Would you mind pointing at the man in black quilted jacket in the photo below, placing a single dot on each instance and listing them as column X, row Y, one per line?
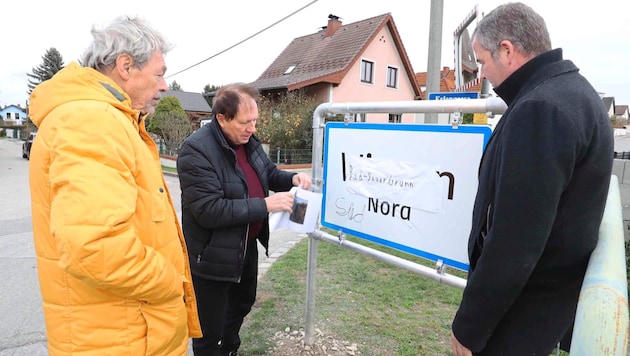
column 225, row 179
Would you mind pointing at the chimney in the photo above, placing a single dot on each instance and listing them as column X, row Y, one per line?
column 333, row 25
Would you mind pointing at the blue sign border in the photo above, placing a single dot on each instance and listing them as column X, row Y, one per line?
column 486, row 131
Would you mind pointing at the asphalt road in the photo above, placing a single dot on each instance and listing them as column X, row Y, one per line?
column 22, row 330
column 622, row 143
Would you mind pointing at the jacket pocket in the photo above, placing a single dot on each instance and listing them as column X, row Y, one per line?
column 167, row 327
column 159, row 201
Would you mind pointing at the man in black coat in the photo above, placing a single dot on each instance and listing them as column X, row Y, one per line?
column 225, row 178
column 543, row 183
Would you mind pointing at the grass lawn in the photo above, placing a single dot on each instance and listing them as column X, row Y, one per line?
column 169, row 169
column 384, row 309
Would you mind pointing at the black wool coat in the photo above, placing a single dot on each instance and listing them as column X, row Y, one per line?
column 216, row 208
column 543, row 183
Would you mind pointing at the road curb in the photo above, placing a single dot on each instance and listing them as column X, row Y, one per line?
column 266, row 264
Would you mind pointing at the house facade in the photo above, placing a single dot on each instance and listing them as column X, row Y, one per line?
column 621, row 113
column 609, row 103
column 13, row 115
column 359, row 62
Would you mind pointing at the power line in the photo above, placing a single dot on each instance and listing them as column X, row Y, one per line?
column 246, row 39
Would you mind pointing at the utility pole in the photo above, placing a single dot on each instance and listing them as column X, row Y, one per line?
column 435, row 53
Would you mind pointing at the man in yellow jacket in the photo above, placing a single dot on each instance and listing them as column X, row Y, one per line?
column 112, row 263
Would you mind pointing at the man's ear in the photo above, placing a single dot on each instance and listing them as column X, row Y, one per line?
column 508, row 47
column 124, row 62
column 221, row 119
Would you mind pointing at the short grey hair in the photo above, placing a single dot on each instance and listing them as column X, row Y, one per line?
column 124, row 35
column 517, row 23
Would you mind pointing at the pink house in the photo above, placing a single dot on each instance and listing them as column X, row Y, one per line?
column 357, row 62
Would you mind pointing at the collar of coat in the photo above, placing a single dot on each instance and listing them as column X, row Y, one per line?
column 532, row 73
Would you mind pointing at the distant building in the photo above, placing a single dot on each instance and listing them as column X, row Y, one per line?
column 448, row 85
column 194, row 104
column 358, row 62
column 13, row 115
column 621, row 112
column 609, row 103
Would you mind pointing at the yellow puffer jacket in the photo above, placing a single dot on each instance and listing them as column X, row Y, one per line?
column 111, row 258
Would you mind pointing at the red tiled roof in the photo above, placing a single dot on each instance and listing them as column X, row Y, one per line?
column 321, row 59
column 447, row 79
column 447, row 82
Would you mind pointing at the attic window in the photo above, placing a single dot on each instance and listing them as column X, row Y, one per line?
column 392, row 77
column 367, row 71
column 290, row 69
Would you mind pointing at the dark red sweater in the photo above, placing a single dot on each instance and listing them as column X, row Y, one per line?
column 254, row 187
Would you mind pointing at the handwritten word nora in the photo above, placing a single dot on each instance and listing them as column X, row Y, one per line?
column 387, row 208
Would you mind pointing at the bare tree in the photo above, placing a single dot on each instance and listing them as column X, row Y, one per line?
column 286, row 120
column 173, row 129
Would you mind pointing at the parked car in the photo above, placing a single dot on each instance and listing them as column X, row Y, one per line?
column 26, row 146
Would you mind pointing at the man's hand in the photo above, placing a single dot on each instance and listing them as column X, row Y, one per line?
column 459, row 349
column 302, row 179
column 281, row 201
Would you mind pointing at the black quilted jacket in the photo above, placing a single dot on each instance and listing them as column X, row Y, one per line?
column 216, row 209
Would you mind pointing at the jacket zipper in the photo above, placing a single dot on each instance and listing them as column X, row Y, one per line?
column 245, row 248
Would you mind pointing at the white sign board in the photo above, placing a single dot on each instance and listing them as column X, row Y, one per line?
column 410, row 187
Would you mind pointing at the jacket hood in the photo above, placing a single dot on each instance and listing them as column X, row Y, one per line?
column 74, row 83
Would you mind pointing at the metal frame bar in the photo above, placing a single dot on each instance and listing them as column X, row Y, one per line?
column 490, row 106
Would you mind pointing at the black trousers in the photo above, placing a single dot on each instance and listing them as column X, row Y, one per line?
column 222, row 306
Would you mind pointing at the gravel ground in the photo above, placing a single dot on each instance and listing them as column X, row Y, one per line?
column 291, row 342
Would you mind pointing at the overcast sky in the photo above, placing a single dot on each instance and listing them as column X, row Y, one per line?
column 595, row 37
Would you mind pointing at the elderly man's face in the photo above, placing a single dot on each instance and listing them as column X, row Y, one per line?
column 145, row 84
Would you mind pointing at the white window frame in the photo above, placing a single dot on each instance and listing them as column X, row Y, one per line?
column 290, row 69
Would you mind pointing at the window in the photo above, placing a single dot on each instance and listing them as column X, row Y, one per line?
column 395, row 118
column 8, row 116
column 290, row 69
column 392, row 77
column 17, row 115
column 359, row 117
column 367, row 71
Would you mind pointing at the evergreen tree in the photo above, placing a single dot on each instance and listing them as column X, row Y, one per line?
column 52, row 63
column 175, row 86
column 209, row 89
